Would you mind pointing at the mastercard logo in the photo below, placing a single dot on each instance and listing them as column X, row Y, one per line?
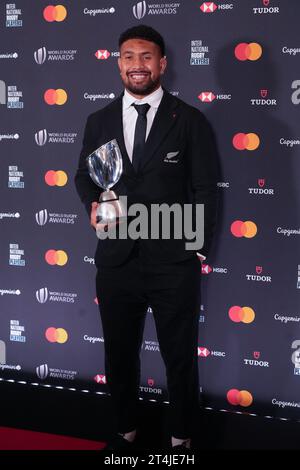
column 245, row 51
column 249, row 141
column 56, row 257
column 56, row 335
column 58, row 96
column 236, row 397
column 56, row 178
column 55, row 13
column 241, row 314
column 246, row 229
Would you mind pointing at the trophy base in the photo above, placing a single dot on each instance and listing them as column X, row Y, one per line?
column 110, row 212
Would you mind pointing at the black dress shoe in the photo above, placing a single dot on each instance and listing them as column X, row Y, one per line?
column 119, row 443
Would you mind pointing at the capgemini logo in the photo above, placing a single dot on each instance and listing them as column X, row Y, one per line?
column 41, row 217
column 42, row 295
column 139, row 10
column 40, row 55
column 42, row 371
column 40, row 137
column 2, row 352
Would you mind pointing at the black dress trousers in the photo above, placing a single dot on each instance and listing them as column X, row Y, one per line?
column 173, row 292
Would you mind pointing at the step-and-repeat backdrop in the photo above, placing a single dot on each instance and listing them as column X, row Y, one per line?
column 238, row 62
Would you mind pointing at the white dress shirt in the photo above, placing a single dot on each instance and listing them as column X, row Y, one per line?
column 130, row 115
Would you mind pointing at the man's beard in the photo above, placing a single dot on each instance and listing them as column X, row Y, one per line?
column 142, row 90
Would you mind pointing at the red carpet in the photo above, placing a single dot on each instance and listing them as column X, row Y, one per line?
column 18, row 439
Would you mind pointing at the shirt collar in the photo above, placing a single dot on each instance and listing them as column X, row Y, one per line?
column 153, row 99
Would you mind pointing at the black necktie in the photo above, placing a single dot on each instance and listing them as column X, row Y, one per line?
column 139, row 134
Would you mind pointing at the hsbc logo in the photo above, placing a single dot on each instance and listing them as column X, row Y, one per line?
column 206, row 96
column 208, row 7
column 209, row 96
column 100, row 379
column 203, row 352
column 211, row 7
column 102, row 54
column 206, row 269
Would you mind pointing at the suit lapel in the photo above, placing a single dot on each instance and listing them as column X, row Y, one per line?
column 164, row 119
column 116, row 124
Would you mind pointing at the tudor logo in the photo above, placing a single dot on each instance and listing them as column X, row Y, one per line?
column 261, row 182
column 208, row 7
column 256, row 354
column 263, row 93
column 266, row 2
column 206, row 96
column 259, row 269
column 150, row 382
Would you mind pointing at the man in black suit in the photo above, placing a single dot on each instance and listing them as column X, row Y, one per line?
column 169, row 156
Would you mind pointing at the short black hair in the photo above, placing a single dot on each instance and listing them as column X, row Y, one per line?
column 143, row 32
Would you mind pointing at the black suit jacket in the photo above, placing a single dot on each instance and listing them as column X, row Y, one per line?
column 177, row 127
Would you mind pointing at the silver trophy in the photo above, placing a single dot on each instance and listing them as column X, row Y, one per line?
column 105, row 167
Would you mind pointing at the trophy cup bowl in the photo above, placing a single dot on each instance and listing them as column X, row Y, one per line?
column 105, row 166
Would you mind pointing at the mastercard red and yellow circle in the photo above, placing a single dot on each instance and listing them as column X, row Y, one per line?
column 244, row 51
column 56, row 178
column 56, row 257
column 248, row 141
column 55, row 13
column 236, row 397
column 239, row 314
column 241, row 229
column 56, row 335
column 52, row 96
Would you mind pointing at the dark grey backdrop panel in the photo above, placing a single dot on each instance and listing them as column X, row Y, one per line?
column 50, row 330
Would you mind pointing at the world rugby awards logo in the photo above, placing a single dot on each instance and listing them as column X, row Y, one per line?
column 41, row 217
column 40, row 55
column 42, row 371
column 40, row 137
column 139, row 10
column 42, row 295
